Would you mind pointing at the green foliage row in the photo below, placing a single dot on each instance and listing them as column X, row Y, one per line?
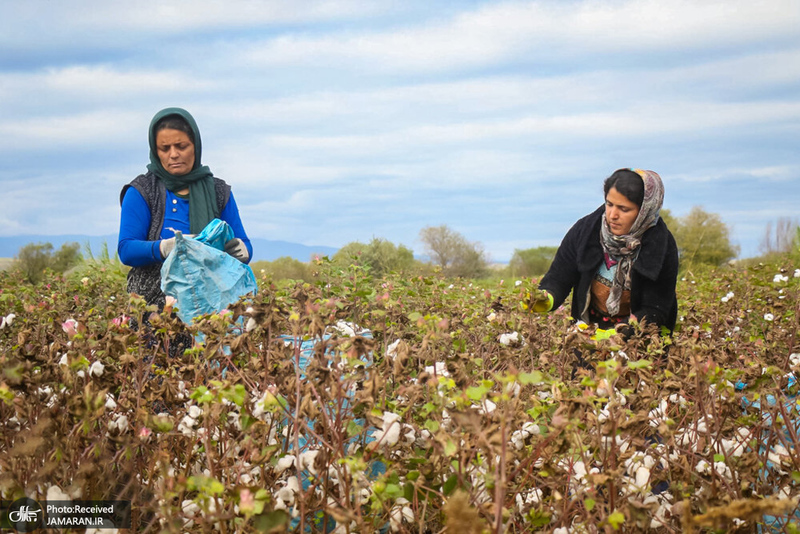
column 453, row 410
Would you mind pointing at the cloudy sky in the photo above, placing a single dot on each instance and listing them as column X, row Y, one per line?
column 344, row 120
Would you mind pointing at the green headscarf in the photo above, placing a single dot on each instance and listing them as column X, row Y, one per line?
column 200, row 181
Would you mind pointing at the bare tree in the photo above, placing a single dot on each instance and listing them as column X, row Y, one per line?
column 453, row 253
column 782, row 239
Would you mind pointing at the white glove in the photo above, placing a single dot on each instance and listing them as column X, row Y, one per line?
column 166, row 247
column 236, row 248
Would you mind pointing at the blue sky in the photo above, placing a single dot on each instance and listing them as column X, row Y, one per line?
column 337, row 121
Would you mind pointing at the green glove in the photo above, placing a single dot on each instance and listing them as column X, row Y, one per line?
column 538, row 301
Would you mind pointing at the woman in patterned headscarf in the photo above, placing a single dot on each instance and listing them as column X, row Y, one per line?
column 620, row 262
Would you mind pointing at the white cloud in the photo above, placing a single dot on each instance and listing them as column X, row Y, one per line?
column 102, row 126
column 539, row 31
column 148, row 17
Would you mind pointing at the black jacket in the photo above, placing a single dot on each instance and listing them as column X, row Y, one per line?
column 653, row 277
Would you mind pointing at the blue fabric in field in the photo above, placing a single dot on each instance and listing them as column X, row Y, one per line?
column 201, row 277
column 791, row 424
column 344, row 411
column 216, row 234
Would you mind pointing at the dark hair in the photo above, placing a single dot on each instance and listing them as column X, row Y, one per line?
column 628, row 183
column 174, row 122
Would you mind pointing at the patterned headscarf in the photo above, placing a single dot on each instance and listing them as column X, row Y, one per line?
column 626, row 247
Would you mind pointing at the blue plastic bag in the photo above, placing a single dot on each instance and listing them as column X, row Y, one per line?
column 216, row 234
column 201, row 277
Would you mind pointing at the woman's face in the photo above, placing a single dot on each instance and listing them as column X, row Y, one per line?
column 176, row 151
column 620, row 212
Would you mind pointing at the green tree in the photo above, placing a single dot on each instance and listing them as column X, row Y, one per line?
column 671, row 222
column 531, row 261
column 703, row 239
column 35, row 258
column 379, row 255
column 66, row 257
column 453, row 253
column 284, row 268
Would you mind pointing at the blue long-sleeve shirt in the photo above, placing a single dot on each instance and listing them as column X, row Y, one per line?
column 133, row 247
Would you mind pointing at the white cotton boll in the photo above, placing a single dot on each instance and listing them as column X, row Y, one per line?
column 390, row 433
column 80, row 374
column 508, row 339
column 396, row 519
column 527, row 499
column 54, row 493
column 658, row 415
column 702, row 427
column 703, row 467
column 250, row 325
column 424, row 439
column 284, row 463
column 491, row 317
column 438, row 369
column 579, row 470
column 111, row 404
column 642, row 477
column 513, row 389
column 97, row 368
column 64, row 360
column 603, row 415
column 780, row 278
column 532, row 428
column 186, row 426
column 195, row 412
column 409, row 435
column 7, row 320
column 797, row 273
column 307, row 461
column 722, row 470
column 391, row 350
column 346, row 328
column 562, row 530
column 794, row 358
column 408, row 514
column 390, row 436
column 769, row 317
column 284, row 497
column 518, row 283
column 120, row 423
column 678, row 399
column 486, row 407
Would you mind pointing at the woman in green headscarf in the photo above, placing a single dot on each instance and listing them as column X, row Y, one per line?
column 178, row 193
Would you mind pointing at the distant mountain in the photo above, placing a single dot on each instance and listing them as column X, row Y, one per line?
column 263, row 249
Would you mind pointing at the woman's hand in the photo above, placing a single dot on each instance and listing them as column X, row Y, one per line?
column 538, row 301
column 166, row 247
column 236, row 248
